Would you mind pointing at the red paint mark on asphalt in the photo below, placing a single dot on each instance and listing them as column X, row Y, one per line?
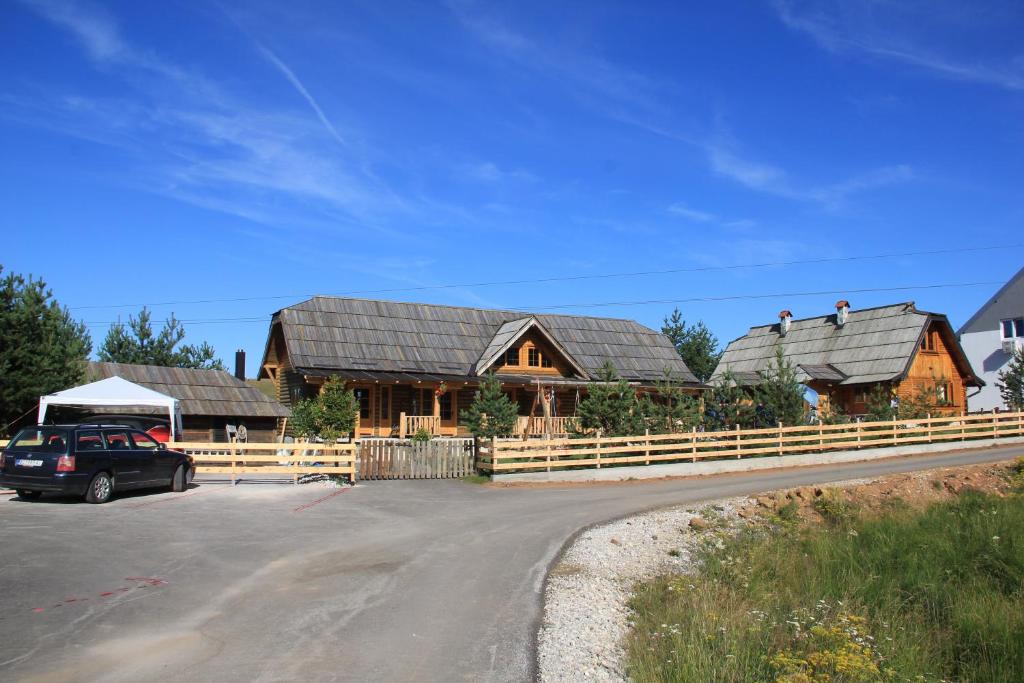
column 107, row 593
column 170, row 498
column 38, row 609
column 319, row 500
column 147, row 580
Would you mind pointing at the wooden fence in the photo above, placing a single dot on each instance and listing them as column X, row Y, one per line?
column 407, row 459
column 646, row 449
column 539, row 426
column 236, row 459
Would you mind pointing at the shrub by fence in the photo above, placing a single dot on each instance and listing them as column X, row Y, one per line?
column 646, row 449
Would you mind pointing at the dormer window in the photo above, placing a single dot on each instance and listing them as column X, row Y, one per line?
column 929, row 343
column 512, row 357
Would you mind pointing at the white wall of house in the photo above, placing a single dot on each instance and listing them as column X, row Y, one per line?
column 984, row 350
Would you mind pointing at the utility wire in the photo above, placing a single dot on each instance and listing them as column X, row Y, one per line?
column 571, row 278
column 601, row 304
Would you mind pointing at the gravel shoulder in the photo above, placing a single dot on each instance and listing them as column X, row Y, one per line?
column 586, row 617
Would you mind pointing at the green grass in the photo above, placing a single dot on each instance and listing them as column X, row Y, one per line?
column 476, row 479
column 908, row 596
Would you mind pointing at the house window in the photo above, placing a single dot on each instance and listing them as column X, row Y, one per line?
column 385, row 403
column 1013, row 327
column 446, row 406
column 512, row 356
column 533, row 357
column 545, row 362
column 942, row 392
column 363, row 397
column 928, row 343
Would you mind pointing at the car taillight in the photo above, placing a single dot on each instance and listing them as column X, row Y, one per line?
column 3, row 458
column 66, row 463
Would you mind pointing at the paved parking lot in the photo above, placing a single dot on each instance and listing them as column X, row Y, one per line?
column 389, row 581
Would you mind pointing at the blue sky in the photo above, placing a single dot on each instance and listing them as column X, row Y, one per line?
column 178, row 152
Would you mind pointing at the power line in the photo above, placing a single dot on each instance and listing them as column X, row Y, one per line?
column 696, row 299
column 570, row 278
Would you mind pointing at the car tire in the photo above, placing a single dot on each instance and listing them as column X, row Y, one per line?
column 28, row 495
column 179, row 482
column 101, row 488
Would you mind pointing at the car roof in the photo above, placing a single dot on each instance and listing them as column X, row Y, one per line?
column 85, row 425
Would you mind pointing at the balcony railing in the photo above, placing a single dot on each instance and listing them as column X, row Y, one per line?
column 539, row 426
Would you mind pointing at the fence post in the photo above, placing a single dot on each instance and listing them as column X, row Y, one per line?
column 647, row 442
column 928, row 426
column 738, row 456
column 401, row 425
column 995, row 425
column 693, row 443
column 821, row 438
column 780, row 438
column 233, row 471
column 895, row 434
column 598, row 449
column 859, row 430
column 494, row 454
column 963, row 424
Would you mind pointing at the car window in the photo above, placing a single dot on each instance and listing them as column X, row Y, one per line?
column 89, row 440
column 144, row 441
column 118, row 440
column 43, row 440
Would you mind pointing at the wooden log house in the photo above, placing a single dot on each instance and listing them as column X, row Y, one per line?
column 845, row 355
column 417, row 366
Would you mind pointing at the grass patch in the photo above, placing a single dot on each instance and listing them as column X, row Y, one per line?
column 476, row 479
column 908, row 596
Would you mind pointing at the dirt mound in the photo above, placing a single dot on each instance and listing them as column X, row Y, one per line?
column 916, row 489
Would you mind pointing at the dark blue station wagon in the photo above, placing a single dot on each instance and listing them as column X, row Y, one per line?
column 89, row 460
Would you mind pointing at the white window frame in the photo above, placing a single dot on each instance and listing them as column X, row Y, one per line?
column 1017, row 325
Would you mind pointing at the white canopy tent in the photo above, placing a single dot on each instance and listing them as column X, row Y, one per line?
column 114, row 391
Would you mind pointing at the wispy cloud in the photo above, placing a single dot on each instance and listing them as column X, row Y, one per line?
column 594, row 80
column 490, row 172
column 866, row 30
column 199, row 144
column 774, row 180
column 680, row 209
column 301, row 89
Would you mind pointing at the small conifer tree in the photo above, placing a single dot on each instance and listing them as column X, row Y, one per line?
column 492, row 413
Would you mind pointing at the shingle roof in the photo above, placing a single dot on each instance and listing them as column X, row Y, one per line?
column 875, row 345
column 201, row 392
column 1008, row 302
column 329, row 333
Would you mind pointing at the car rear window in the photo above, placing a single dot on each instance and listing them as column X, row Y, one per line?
column 40, row 440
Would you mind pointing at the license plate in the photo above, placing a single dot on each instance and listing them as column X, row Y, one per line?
column 24, row 462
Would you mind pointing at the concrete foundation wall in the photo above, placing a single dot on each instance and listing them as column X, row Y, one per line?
column 703, row 467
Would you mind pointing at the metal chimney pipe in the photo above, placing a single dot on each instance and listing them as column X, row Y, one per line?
column 240, row 364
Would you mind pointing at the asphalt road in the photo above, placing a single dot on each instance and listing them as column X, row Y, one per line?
column 387, row 581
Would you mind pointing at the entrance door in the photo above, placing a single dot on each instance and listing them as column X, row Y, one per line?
column 383, row 417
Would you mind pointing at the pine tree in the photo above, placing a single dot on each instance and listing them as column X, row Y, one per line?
column 696, row 344
column 1011, row 381
column 330, row 415
column 137, row 344
column 42, row 349
column 492, row 413
column 728, row 405
column 610, row 406
column 672, row 410
column 780, row 395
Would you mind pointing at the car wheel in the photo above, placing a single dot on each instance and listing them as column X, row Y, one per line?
column 100, row 489
column 28, row 495
column 178, row 481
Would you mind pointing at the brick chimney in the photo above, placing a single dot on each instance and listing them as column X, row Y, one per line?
column 240, row 364
column 785, row 319
column 842, row 312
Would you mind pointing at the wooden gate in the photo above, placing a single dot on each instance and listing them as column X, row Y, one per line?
column 407, row 459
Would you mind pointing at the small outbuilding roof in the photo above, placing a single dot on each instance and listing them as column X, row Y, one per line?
column 873, row 345
column 200, row 392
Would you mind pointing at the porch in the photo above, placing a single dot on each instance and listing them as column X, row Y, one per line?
column 401, row 410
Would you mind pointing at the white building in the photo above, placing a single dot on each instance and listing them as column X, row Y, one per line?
column 989, row 338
